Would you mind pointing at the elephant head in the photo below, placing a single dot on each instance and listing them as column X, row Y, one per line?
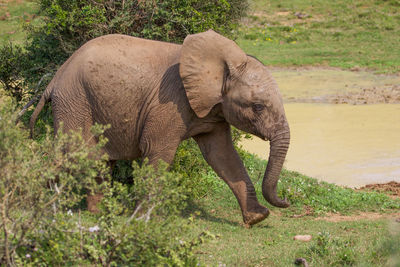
column 214, row 70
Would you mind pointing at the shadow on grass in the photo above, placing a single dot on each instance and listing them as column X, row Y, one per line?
column 202, row 213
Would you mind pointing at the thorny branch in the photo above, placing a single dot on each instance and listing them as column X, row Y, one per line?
column 34, row 98
column 4, row 218
column 134, row 213
column 148, row 213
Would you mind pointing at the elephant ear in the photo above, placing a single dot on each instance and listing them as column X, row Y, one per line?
column 204, row 59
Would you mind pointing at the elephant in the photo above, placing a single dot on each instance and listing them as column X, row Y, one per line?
column 156, row 94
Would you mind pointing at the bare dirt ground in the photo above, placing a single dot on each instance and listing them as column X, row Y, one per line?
column 286, row 18
column 335, row 86
column 392, row 188
column 375, row 95
column 335, row 217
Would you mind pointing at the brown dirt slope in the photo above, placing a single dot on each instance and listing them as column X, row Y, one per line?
column 391, row 188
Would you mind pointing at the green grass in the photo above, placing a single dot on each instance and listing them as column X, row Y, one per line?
column 345, row 34
column 271, row 243
column 316, row 197
column 361, row 242
column 13, row 16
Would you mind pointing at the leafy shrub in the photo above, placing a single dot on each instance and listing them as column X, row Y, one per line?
column 41, row 189
column 75, row 22
column 11, row 66
column 38, row 181
column 199, row 176
column 137, row 225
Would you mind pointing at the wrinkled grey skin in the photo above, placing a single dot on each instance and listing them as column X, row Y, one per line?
column 156, row 94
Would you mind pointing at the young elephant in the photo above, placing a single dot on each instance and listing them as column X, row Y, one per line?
column 156, row 94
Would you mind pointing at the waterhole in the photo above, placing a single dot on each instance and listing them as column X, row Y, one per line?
column 351, row 145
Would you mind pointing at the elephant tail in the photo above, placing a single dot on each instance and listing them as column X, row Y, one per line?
column 44, row 98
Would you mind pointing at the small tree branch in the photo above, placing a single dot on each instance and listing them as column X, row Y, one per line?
column 55, row 198
column 146, row 216
column 134, row 213
column 149, row 213
column 6, row 241
column 80, row 231
column 35, row 98
column 110, row 255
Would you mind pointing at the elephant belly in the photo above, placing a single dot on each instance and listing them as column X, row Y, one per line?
column 121, row 145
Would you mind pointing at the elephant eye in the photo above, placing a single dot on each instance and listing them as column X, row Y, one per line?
column 257, row 107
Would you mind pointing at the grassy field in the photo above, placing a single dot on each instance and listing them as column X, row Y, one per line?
column 347, row 34
column 366, row 235
column 360, row 242
column 14, row 14
column 362, row 34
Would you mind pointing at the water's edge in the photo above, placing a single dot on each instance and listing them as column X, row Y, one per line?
column 350, row 145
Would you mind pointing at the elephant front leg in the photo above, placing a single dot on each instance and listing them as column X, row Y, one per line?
column 219, row 152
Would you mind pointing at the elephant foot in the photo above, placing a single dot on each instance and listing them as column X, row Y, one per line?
column 253, row 217
column 92, row 202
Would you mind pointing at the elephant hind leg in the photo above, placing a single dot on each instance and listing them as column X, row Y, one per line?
column 74, row 115
column 77, row 117
column 93, row 199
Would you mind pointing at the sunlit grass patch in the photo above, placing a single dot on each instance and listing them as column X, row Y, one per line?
column 13, row 16
column 355, row 34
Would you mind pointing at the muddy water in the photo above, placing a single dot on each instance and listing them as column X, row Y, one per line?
column 344, row 144
column 351, row 145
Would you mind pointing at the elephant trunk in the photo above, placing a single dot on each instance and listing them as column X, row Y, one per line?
column 279, row 145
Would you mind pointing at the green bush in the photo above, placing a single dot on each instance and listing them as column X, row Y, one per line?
column 11, row 67
column 137, row 225
column 38, row 181
column 75, row 22
column 41, row 190
column 199, row 176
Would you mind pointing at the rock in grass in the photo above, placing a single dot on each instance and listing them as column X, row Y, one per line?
column 305, row 238
column 301, row 261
